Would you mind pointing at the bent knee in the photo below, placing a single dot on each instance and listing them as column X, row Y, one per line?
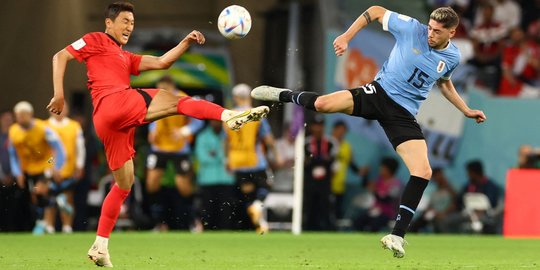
column 424, row 173
column 323, row 104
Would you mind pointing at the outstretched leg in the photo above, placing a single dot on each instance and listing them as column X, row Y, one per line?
column 414, row 154
column 166, row 104
column 339, row 101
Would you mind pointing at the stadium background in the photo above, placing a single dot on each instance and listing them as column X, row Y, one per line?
column 37, row 29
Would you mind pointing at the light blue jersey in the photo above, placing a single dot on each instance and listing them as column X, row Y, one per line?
column 413, row 66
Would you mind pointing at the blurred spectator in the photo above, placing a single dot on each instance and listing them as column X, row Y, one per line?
column 6, row 120
column 474, row 215
column 71, row 135
column 344, row 162
column 528, row 157
column 246, row 158
column 520, row 66
column 32, row 146
column 9, row 193
column 386, row 189
column 170, row 140
column 442, row 202
column 464, row 26
column 320, row 154
column 508, row 13
column 487, row 41
column 215, row 183
column 284, row 175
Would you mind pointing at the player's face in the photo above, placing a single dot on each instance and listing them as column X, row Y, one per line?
column 122, row 27
column 24, row 118
column 438, row 36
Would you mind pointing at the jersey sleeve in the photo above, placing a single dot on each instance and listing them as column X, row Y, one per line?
column 448, row 74
column 84, row 47
column 264, row 129
column 399, row 25
column 135, row 60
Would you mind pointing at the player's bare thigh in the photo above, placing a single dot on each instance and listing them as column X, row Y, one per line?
column 163, row 104
column 415, row 155
column 340, row 101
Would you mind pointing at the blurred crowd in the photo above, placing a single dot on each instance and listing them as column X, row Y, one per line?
column 500, row 45
column 200, row 176
column 197, row 175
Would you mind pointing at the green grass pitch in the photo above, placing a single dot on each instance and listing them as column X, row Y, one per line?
column 235, row 250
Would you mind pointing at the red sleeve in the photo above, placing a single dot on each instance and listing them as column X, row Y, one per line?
column 84, row 47
column 135, row 63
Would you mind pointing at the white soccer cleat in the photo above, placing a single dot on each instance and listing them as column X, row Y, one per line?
column 267, row 93
column 242, row 118
column 100, row 255
column 395, row 244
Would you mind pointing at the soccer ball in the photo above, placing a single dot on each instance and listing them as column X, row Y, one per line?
column 234, row 22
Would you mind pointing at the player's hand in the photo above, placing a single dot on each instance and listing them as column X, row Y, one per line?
column 478, row 115
column 78, row 174
column 57, row 176
column 56, row 105
column 21, row 181
column 195, row 37
column 340, row 45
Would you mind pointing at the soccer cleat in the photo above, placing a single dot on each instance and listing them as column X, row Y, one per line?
column 255, row 212
column 267, row 93
column 395, row 244
column 242, row 118
column 99, row 255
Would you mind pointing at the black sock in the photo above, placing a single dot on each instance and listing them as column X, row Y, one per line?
column 409, row 201
column 304, row 99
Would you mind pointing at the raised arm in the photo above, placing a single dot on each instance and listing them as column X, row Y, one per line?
column 149, row 62
column 449, row 92
column 371, row 14
column 59, row 63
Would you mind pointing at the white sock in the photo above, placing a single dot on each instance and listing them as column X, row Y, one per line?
column 102, row 241
column 49, row 229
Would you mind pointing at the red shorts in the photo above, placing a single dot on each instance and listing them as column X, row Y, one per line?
column 115, row 119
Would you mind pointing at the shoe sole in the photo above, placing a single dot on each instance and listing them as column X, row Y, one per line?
column 397, row 253
column 255, row 114
column 266, row 93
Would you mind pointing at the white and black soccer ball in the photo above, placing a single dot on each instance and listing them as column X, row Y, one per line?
column 234, row 22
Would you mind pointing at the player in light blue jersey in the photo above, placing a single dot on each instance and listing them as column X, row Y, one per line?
column 423, row 55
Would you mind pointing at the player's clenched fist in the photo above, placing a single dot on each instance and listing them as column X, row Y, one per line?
column 340, row 45
column 195, row 36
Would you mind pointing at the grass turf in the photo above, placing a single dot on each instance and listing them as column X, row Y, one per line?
column 274, row 251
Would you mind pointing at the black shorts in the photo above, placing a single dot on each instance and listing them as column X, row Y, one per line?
column 259, row 178
column 372, row 102
column 33, row 179
column 181, row 162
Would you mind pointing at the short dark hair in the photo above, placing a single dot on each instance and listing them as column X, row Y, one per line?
column 391, row 164
column 340, row 123
column 115, row 8
column 446, row 16
column 475, row 166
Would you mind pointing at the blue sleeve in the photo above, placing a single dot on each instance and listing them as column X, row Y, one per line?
column 152, row 126
column 54, row 141
column 264, row 129
column 14, row 160
column 401, row 26
column 448, row 74
column 195, row 125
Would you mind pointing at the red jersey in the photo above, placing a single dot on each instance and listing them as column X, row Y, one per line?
column 108, row 65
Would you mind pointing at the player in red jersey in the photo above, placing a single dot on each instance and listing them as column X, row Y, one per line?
column 118, row 108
